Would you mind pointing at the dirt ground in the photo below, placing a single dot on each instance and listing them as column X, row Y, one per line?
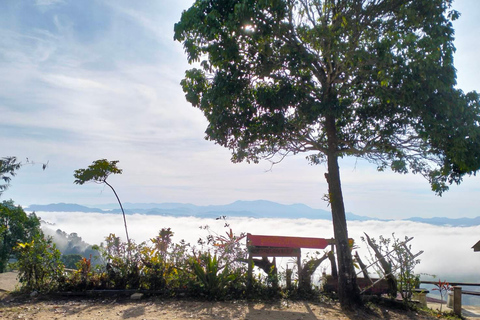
column 154, row 308
column 43, row 308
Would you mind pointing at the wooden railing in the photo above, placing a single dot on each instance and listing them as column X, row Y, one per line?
column 460, row 284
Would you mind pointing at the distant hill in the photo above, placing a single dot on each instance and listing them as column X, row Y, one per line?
column 253, row 209
column 64, row 207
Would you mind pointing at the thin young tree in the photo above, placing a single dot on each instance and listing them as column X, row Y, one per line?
column 366, row 78
column 98, row 172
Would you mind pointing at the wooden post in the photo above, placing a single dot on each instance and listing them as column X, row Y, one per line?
column 289, row 278
column 457, row 300
column 299, row 264
column 250, row 271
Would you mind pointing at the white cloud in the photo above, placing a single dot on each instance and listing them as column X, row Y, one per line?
column 447, row 251
column 48, row 2
column 73, row 83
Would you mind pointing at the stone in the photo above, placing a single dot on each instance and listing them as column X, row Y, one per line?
column 136, row 296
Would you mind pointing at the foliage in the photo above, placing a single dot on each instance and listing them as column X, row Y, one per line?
column 310, row 265
column 15, row 226
column 165, row 264
column 159, row 266
column 121, row 263
column 229, row 247
column 274, row 71
column 212, row 278
column 443, row 287
column 407, row 280
column 98, row 172
column 39, row 264
column 370, row 79
column 397, row 254
column 8, row 166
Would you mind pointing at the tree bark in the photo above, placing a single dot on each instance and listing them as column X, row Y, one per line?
column 307, row 271
column 333, row 264
column 123, row 212
column 348, row 291
column 362, row 266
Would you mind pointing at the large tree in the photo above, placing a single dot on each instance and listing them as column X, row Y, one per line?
column 366, row 78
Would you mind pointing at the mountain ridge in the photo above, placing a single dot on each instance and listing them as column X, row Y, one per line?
column 253, row 209
column 241, row 208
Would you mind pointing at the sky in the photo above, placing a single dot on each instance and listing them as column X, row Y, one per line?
column 94, row 79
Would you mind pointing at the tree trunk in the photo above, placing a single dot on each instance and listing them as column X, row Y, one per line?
column 348, row 292
column 307, row 271
column 363, row 267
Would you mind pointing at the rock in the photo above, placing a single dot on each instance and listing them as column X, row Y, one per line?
column 136, row 296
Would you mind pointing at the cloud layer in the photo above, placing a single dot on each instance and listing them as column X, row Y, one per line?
column 447, row 250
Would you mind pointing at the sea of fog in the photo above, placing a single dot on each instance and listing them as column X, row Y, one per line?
column 447, row 250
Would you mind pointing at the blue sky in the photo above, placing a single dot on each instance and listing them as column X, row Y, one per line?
column 85, row 80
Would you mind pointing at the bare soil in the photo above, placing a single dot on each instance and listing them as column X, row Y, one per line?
column 14, row 306
column 154, row 308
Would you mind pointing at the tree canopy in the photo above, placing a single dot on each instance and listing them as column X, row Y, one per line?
column 273, row 70
column 367, row 78
column 97, row 172
column 8, row 166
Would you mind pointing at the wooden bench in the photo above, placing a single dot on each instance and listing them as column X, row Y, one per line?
column 279, row 246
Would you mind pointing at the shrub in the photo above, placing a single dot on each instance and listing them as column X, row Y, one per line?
column 39, row 265
column 211, row 277
column 400, row 261
column 15, row 226
column 121, row 263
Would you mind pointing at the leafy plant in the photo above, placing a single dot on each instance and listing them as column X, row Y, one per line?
column 229, row 247
column 122, row 262
column 15, row 226
column 443, row 287
column 39, row 264
column 159, row 269
column 8, row 166
column 210, row 275
column 407, row 280
column 395, row 258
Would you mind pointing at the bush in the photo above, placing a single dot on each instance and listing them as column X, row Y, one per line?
column 39, row 265
column 210, row 277
column 216, row 271
column 15, row 226
column 122, row 263
column 400, row 262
